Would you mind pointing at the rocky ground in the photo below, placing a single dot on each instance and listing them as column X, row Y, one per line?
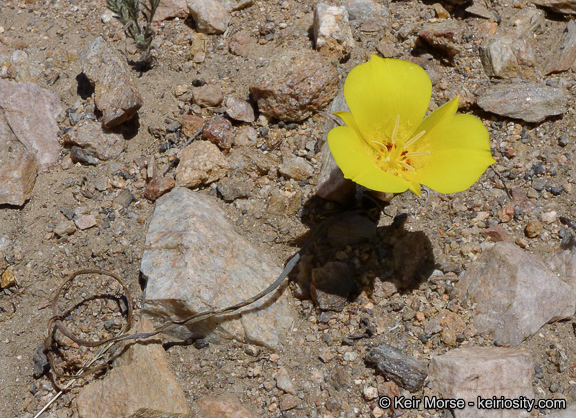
column 371, row 311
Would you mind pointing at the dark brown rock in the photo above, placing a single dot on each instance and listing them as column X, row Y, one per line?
column 115, row 93
column 158, row 186
column 331, row 286
column 294, row 85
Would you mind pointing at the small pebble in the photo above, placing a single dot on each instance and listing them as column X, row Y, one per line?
column 533, row 229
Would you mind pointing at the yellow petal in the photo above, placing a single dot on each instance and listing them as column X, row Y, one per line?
column 447, row 110
column 356, row 160
column 380, row 90
column 459, row 149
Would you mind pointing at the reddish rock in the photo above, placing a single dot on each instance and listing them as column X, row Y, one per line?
column 295, row 85
column 158, row 186
column 241, row 44
column 191, row 124
column 219, row 132
column 85, row 222
column 497, row 233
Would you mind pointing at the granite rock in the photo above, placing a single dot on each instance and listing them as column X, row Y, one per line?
column 563, row 56
column 558, row 6
column 331, row 32
column 467, row 373
column 201, row 163
column 512, row 291
column 30, row 113
column 194, row 261
column 294, row 85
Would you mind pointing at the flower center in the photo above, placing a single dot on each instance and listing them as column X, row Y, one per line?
column 392, row 155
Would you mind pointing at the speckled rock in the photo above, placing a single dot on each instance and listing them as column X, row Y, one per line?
column 505, row 283
column 532, row 102
column 89, row 134
column 467, row 373
column 209, row 15
column 405, row 371
column 194, row 261
column 365, row 9
column 141, row 384
column 294, row 85
column 508, row 55
column 201, row 163
column 115, row 93
column 30, row 113
column 331, row 32
column 558, row 6
column 232, row 188
column 241, row 44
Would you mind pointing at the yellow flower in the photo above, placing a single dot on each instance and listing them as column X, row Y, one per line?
column 386, row 146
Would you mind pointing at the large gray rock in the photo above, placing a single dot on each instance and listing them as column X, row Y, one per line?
column 513, row 291
column 31, row 112
column 18, row 167
column 194, row 261
column 294, row 85
column 532, row 102
column 365, row 9
column 558, row 6
column 115, row 92
column 469, row 373
column 140, row 385
column 564, row 54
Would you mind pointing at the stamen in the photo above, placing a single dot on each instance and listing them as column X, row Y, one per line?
column 417, row 154
column 414, row 139
column 379, row 143
column 395, row 131
column 406, row 166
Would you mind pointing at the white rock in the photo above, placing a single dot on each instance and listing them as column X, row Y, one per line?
column 209, row 15
column 284, row 382
column 331, row 30
column 467, row 373
column 549, row 217
column 194, row 261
